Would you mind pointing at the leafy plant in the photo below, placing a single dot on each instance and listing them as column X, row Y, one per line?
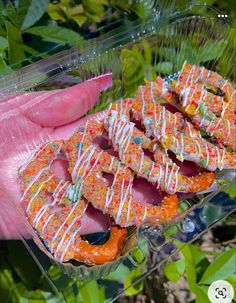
column 199, row 272
column 22, row 281
column 80, row 12
column 20, row 27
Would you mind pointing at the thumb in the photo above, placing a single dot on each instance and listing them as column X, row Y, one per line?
column 60, row 107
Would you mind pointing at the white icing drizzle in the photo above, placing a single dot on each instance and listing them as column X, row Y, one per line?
column 33, row 157
column 141, row 162
column 202, row 120
column 229, row 130
column 166, row 174
column 65, row 233
column 223, row 86
column 163, row 129
column 190, row 99
column 129, row 205
column 39, row 214
column 120, row 132
column 110, row 191
column 123, row 197
column 144, row 213
column 63, row 223
column 38, row 175
column 69, row 241
column 222, row 160
column 225, row 105
column 160, row 176
column 150, row 173
column 198, row 146
column 111, row 164
column 143, row 102
column 46, row 222
column 201, row 99
column 176, row 179
column 216, row 126
column 207, row 154
column 37, row 192
column 181, row 147
column 189, row 128
column 171, row 175
column 153, row 101
column 184, row 95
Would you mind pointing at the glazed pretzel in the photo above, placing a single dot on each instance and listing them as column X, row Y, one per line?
column 196, row 93
column 175, row 133
column 56, row 215
column 87, row 165
column 130, row 142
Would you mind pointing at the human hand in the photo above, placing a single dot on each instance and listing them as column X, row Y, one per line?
column 28, row 120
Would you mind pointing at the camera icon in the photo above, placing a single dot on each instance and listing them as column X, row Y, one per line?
column 220, row 291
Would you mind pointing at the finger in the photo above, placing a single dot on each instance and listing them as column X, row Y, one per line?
column 60, row 107
column 56, row 107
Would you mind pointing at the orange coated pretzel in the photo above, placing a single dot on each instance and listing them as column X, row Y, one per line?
column 87, row 165
column 175, row 133
column 130, row 142
column 56, row 215
column 196, row 89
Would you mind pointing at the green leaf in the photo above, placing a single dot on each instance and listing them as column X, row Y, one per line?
column 138, row 9
column 195, row 262
column 132, row 63
column 4, row 68
column 56, row 13
column 20, row 294
column 57, row 34
column 222, row 267
column 95, row 18
column 3, row 43
column 90, row 292
column 1, row 5
column 211, row 50
column 167, row 53
column 2, row 29
column 231, row 190
column 16, row 52
column 201, row 295
column 119, row 274
column 165, row 68
column 12, row 15
column 232, row 281
column 23, row 263
column 71, row 294
column 22, row 7
column 104, row 2
column 59, row 279
column 138, row 256
column 79, row 19
column 75, row 10
column 174, row 270
column 6, row 283
column 130, row 289
column 38, row 296
column 36, row 10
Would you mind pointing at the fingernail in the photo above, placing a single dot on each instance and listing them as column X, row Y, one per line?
column 104, row 81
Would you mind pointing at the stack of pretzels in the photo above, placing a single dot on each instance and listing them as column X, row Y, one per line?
column 142, row 132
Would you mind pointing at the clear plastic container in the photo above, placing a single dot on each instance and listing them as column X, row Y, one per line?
column 159, row 45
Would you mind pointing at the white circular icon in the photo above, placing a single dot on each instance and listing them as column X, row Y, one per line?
column 220, row 291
